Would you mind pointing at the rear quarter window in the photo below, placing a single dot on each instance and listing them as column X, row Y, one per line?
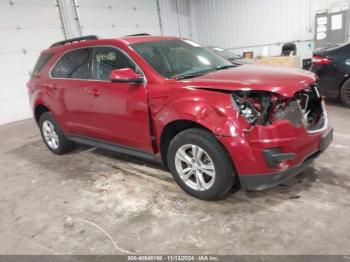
column 41, row 62
column 74, row 64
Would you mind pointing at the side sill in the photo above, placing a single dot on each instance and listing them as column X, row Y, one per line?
column 113, row 147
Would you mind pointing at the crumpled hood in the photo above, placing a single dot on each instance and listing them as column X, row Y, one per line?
column 284, row 81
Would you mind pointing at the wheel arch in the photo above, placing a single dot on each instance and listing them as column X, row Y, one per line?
column 171, row 130
column 178, row 126
column 189, row 112
column 175, row 127
column 345, row 100
column 343, row 82
column 39, row 110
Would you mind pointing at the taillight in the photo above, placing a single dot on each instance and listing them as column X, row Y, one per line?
column 321, row 60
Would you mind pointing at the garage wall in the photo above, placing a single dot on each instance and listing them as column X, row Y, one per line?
column 29, row 26
column 249, row 25
column 113, row 18
column 69, row 17
column 26, row 27
column 176, row 17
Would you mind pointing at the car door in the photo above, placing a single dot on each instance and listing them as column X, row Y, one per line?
column 70, row 75
column 118, row 111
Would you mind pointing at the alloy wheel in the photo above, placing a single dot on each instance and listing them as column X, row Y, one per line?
column 195, row 167
column 50, row 135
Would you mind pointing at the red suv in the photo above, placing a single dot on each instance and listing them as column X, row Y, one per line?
column 214, row 124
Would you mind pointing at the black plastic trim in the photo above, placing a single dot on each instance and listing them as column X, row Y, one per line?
column 77, row 39
column 138, row 80
column 140, row 34
column 273, row 156
column 264, row 181
column 113, row 147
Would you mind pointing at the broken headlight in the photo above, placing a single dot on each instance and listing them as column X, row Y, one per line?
column 254, row 106
column 264, row 108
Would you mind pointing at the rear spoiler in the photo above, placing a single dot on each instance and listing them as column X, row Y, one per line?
column 77, row 39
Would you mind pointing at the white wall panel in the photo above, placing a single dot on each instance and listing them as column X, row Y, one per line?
column 113, row 18
column 26, row 27
column 29, row 26
column 69, row 17
column 176, row 16
column 254, row 23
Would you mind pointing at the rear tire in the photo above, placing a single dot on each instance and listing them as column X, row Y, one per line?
column 53, row 136
column 200, row 164
column 345, row 93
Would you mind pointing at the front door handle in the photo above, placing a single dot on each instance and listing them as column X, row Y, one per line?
column 94, row 92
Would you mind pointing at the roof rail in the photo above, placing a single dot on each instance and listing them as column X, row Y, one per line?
column 140, row 34
column 77, row 39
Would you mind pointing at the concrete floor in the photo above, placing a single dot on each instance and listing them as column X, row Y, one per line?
column 94, row 202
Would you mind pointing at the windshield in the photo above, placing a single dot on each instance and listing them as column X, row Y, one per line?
column 180, row 58
column 226, row 53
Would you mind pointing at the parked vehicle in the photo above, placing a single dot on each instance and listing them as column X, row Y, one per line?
column 215, row 125
column 332, row 66
column 231, row 56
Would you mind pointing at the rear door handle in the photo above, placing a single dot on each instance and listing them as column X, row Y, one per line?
column 94, row 92
column 52, row 86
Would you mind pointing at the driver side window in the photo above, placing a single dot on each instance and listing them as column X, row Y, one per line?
column 107, row 59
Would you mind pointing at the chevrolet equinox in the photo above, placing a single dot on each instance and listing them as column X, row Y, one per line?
column 215, row 125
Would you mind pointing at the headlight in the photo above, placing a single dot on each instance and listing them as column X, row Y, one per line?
column 254, row 106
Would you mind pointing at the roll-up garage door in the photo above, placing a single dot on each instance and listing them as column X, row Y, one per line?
column 26, row 28
column 113, row 18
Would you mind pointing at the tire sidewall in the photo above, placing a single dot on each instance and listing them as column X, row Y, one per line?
column 224, row 172
column 345, row 100
column 62, row 141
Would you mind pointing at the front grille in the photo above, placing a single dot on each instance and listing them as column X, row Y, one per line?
column 305, row 108
column 311, row 105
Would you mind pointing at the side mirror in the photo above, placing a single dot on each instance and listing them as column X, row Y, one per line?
column 125, row 75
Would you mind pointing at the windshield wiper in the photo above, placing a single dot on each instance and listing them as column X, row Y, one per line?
column 189, row 75
column 223, row 67
column 203, row 73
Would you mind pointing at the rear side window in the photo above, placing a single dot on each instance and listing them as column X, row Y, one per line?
column 74, row 64
column 42, row 60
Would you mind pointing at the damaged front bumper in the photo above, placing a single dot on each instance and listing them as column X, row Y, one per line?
column 264, row 181
column 265, row 156
column 256, row 171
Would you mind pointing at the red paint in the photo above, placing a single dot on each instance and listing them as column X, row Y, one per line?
column 120, row 112
column 124, row 75
column 284, row 81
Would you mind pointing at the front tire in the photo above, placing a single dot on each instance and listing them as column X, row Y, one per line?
column 53, row 136
column 345, row 93
column 200, row 164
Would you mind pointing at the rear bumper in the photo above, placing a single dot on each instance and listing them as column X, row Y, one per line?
column 330, row 79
